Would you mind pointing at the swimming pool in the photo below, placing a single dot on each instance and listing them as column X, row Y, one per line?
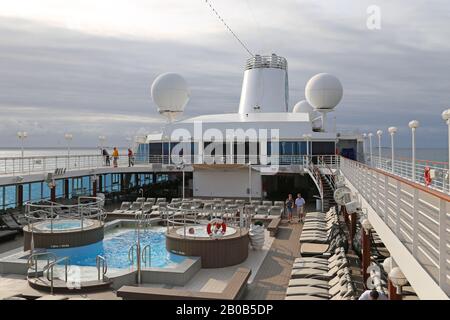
column 62, row 225
column 115, row 246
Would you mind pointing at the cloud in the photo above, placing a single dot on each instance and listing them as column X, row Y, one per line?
column 94, row 79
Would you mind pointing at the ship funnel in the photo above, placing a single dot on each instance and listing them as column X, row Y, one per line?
column 265, row 86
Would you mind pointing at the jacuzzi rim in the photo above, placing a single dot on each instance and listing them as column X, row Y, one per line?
column 87, row 223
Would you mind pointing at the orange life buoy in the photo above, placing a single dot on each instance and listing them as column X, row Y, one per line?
column 427, row 176
column 219, row 225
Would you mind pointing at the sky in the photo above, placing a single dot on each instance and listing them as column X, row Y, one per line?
column 86, row 66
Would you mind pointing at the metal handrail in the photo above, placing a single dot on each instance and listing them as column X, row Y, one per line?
column 103, row 265
column 146, row 249
column 49, row 268
column 34, row 257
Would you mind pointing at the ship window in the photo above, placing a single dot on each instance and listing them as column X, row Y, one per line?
column 2, row 205
column 323, row 147
column 36, row 194
column 45, row 191
column 59, row 189
column 26, row 193
column 10, row 197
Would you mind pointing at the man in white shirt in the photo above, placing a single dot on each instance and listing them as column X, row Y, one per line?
column 299, row 203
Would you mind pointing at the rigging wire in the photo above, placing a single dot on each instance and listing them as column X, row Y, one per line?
column 228, row 28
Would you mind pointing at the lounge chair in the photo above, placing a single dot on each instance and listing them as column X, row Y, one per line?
column 7, row 235
column 261, row 212
column 240, row 202
column 10, row 223
column 135, row 206
column 140, row 199
column 151, row 200
column 123, row 207
column 278, row 203
column 255, row 202
column 267, row 203
column 275, row 212
column 161, row 200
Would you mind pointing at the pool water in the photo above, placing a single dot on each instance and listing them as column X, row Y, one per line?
column 115, row 246
column 63, row 225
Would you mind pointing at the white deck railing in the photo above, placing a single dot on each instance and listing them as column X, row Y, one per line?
column 417, row 215
column 403, row 168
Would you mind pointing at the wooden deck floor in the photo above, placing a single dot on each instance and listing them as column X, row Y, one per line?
column 271, row 281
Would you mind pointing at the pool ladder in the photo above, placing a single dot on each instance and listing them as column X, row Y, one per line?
column 102, row 267
column 49, row 269
column 146, row 254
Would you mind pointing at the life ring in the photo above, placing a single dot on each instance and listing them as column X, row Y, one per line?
column 427, row 176
column 219, row 227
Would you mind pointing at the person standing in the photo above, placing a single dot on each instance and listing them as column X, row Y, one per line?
column 106, row 157
column 115, row 155
column 300, row 203
column 289, row 207
column 130, row 158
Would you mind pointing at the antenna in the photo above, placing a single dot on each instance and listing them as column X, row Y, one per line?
column 228, row 28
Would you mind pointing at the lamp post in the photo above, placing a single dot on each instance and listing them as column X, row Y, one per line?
column 446, row 117
column 364, row 135
column 68, row 137
column 414, row 124
column 22, row 135
column 370, row 135
column 379, row 134
column 365, row 223
column 392, row 131
column 181, row 167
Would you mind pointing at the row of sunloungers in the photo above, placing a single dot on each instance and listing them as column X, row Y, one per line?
column 322, row 272
column 157, row 207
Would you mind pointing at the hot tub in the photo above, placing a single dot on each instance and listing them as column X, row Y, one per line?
column 62, row 225
column 200, row 232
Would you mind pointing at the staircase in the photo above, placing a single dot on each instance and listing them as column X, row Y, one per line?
column 328, row 192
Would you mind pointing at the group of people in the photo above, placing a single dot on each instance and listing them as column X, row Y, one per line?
column 298, row 204
column 115, row 156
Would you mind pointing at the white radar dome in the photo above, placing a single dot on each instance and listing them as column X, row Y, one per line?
column 170, row 92
column 303, row 107
column 324, row 92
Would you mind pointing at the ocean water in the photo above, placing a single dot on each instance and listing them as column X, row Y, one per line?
column 432, row 154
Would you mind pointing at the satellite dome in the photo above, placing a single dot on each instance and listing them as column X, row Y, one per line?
column 170, row 93
column 324, row 91
column 303, row 107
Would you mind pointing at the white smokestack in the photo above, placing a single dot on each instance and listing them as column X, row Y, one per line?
column 265, row 87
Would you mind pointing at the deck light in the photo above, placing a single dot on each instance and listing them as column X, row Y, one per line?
column 398, row 279
column 392, row 131
column 389, row 264
column 414, row 124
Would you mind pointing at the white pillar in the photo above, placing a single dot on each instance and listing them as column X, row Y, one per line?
column 379, row 133
column 370, row 146
column 183, row 182
column 392, row 131
column 414, row 124
column 250, row 182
